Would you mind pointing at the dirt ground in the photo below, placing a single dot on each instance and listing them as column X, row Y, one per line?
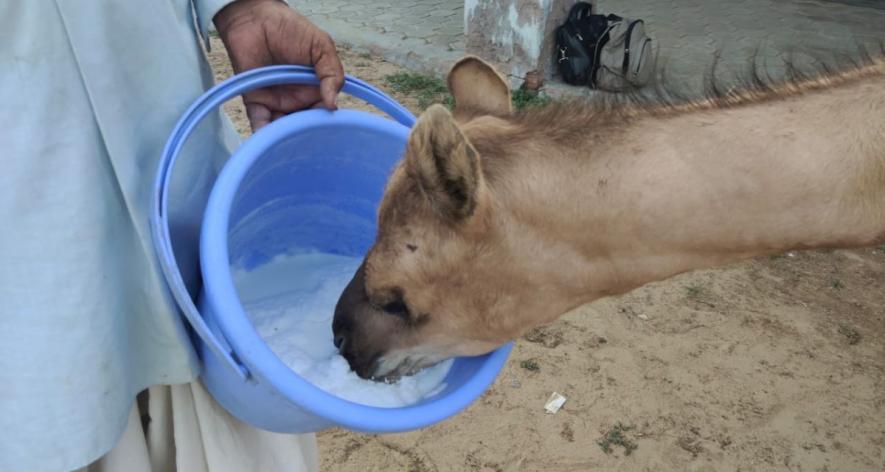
column 772, row 364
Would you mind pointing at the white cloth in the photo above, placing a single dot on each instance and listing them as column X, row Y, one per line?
column 183, row 428
column 89, row 92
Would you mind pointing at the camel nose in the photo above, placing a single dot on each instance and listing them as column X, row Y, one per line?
column 340, row 342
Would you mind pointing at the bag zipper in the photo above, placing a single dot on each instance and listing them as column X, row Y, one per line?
column 645, row 43
column 626, row 65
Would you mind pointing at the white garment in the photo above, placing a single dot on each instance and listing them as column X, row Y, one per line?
column 206, row 438
column 89, row 92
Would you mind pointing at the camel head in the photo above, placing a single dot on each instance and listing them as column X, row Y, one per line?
column 430, row 288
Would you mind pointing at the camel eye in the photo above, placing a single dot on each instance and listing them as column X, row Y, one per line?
column 396, row 304
column 396, row 307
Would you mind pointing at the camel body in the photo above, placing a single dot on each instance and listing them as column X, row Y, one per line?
column 498, row 221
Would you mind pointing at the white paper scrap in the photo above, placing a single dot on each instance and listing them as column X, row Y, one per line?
column 554, row 403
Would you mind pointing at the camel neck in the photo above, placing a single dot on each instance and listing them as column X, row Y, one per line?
column 667, row 194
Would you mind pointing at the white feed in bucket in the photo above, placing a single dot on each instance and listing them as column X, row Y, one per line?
column 291, row 301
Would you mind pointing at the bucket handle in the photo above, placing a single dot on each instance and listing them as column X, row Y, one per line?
column 209, row 101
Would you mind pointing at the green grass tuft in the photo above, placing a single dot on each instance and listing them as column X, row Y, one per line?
column 694, row 291
column 428, row 90
column 851, row 334
column 523, row 98
column 616, row 437
column 530, row 365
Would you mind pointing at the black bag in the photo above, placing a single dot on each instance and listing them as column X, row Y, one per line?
column 604, row 52
column 576, row 43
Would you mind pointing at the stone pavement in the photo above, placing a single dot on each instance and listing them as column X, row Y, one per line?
column 427, row 35
column 423, row 35
column 689, row 32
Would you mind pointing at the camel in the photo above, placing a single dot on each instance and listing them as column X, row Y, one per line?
column 496, row 221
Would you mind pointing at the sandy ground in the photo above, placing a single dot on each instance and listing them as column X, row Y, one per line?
column 772, row 364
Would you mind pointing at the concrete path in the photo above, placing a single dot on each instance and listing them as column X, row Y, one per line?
column 689, row 32
column 423, row 35
column 427, row 35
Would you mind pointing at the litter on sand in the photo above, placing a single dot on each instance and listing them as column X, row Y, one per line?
column 554, row 403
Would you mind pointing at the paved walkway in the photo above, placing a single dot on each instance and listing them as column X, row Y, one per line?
column 427, row 35
column 689, row 32
column 424, row 35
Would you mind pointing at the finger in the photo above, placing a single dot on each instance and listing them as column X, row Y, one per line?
column 297, row 97
column 329, row 92
column 329, row 70
column 259, row 115
column 284, row 98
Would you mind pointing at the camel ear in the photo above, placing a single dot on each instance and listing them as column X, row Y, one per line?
column 444, row 163
column 476, row 85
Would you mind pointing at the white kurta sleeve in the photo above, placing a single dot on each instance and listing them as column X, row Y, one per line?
column 205, row 10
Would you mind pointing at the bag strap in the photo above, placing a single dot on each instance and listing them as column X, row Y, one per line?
column 626, row 64
column 597, row 49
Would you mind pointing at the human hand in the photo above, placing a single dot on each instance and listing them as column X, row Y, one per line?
column 260, row 33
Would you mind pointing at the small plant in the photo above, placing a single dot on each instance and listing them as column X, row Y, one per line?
column 837, row 284
column 523, row 98
column 530, row 365
column 850, row 334
column 428, row 90
column 694, row 291
column 365, row 55
column 616, row 437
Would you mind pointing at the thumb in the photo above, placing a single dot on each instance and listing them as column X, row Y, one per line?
column 329, row 89
column 330, row 72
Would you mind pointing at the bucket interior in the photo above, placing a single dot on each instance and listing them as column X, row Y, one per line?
column 318, row 191
column 312, row 192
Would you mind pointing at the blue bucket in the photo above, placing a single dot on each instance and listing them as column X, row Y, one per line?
column 312, row 179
